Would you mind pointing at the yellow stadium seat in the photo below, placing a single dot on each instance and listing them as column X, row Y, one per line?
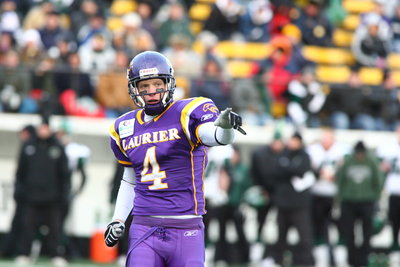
column 239, row 50
column 333, row 74
column 122, row 7
column 206, row 1
column 114, row 23
column 196, row 27
column 199, row 11
column 358, row 6
column 351, row 22
column 184, row 83
column 240, row 68
column 278, row 109
column 371, row 76
column 198, row 47
column 330, row 56
column 394, row 61
column 342, row 38
column 396, row 77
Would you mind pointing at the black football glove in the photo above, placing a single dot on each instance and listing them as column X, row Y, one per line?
column 229, row 119
column 113, row 233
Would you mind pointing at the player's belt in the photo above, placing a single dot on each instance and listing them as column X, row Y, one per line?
column 191, row 223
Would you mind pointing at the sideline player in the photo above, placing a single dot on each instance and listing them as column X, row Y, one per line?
column 163, row 147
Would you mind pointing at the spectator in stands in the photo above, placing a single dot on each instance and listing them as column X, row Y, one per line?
column 72, row 79
column 212, row 83
column 246, row 98
column 94, row 26
column 209, row 41
column 335, row 12
column 292, row 197
column 284, row 12
column 384, row 104
column 15, row 82
column 326, row 154
column 51, row 30
column 76, row 89
column 31, row 48
column 370, row 45
column 254, row 22
column 277, row 73
column 186, row 61
column 43, row 83
column 9, row 18
column 395, row 23
column 359, row 182
column 43, row 77
column 306, row 99
column 80, row 17
column 224, row 19
column 385, row 9
column 7, row 43
column 96, row 56
column 297, row 61
column 65, row 45
column 358, row 108
column 36, row 16
column 136, row 39
column 314, row 25
column 177, row 23
column 146, row 9
column 108, row 93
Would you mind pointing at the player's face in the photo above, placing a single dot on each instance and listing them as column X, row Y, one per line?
column 153, row 90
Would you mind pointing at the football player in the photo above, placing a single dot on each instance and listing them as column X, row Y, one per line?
column 163, row 148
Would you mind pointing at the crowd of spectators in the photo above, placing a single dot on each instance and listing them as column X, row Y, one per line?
column 70, row 57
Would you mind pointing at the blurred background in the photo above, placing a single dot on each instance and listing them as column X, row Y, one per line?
column 312, row 79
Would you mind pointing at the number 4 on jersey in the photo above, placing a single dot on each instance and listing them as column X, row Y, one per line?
column 150, row 161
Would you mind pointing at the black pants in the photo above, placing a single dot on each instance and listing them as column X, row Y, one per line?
column 300, row 219
column 231, row 253
column 352, row 212
column 10, row 246
column 262, row 213
column 49, row 214
column 321, row 212
column 394, row 218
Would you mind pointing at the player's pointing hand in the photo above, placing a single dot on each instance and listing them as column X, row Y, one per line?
column 229, row 119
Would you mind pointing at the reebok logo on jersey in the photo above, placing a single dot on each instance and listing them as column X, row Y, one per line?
column 191, row 233
column 206, row 117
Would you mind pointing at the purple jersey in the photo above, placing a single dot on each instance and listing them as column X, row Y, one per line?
column 167, row 156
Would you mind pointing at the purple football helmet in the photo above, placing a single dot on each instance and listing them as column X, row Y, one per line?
column 151, row 65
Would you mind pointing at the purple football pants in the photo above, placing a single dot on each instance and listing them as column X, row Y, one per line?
column 159, row 242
